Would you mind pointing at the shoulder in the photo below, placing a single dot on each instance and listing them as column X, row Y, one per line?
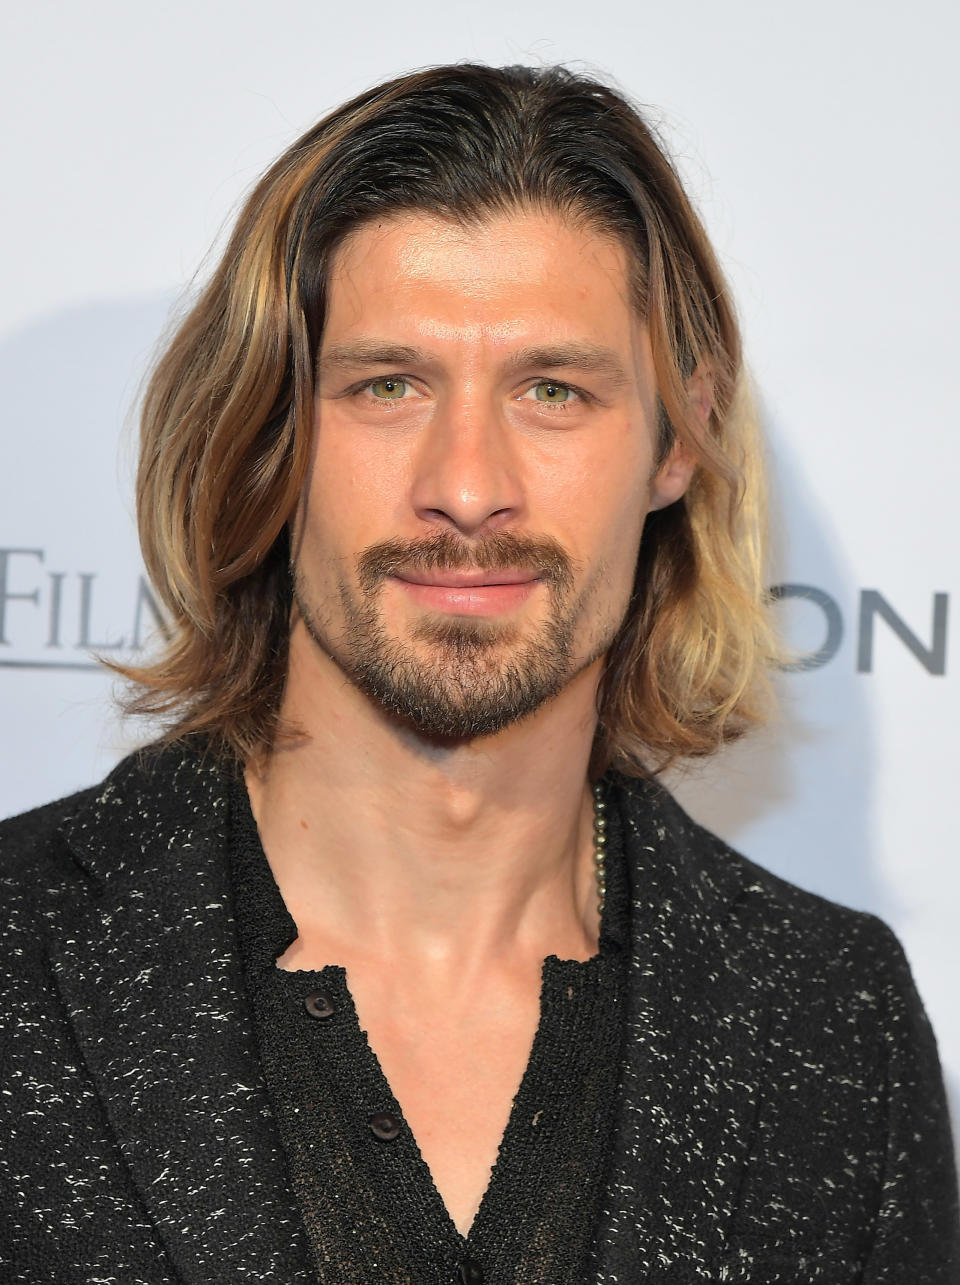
column 834, row 982
column 41, row 847
column 793, row 930
column 32, row 840
column 36, row 870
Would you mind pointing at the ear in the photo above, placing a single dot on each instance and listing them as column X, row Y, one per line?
column 673, row 476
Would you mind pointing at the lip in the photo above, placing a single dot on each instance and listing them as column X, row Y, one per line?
column 468, row 593
column 467, row 579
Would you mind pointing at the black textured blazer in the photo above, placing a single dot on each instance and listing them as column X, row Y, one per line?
column 780, row 1118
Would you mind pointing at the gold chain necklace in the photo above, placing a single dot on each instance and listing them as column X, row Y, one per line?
column 600, row 844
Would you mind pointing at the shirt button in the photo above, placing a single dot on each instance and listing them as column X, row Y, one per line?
column 470, row 1272
column 384, row 1126
column 320, row 1004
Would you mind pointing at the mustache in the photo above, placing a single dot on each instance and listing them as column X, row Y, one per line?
column 541, row 556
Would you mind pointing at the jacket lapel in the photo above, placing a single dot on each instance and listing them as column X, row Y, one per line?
column 695, row 1031
column 146, row 960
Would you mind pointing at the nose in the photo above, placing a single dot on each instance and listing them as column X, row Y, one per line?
column 467, row 475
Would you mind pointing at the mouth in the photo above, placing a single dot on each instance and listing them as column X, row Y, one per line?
column 467, row 579
column 468, row 593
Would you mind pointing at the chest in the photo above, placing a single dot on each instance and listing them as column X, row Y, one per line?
column 456, row 1081
column 454, row 1069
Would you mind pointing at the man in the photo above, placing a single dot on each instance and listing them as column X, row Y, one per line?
column 392, row 961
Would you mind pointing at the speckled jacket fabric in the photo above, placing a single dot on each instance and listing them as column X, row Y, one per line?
column 780, row 1116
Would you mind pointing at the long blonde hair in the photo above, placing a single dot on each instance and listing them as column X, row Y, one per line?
column 227, row 413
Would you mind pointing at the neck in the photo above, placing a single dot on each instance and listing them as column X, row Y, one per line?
column 412, row 852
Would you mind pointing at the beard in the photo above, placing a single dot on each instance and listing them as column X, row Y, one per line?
column 456, row 678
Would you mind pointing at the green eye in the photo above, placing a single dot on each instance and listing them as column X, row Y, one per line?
column 388, row 387
column 548, row 392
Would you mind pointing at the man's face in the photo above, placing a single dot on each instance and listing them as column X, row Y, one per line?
column 483, row 464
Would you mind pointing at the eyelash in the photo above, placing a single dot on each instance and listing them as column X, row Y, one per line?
column 580, row 393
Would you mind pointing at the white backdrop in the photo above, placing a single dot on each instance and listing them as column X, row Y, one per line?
column 821, row 145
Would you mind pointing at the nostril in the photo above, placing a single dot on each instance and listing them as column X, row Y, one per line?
column 466, row 525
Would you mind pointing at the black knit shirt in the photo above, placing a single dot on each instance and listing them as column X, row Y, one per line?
column 368, row 1201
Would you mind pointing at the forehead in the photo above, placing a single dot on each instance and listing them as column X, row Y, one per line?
column 511, row 277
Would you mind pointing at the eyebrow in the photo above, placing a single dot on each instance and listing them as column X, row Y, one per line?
column 370, row 352
column 373, row 352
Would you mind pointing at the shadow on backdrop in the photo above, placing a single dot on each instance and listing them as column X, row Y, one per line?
column 797, row 796
column 68, row 384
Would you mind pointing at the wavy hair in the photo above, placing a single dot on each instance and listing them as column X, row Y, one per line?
column 227, row 413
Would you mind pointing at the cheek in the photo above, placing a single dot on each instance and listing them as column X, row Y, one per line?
column 351, row 495
column 601, row 503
